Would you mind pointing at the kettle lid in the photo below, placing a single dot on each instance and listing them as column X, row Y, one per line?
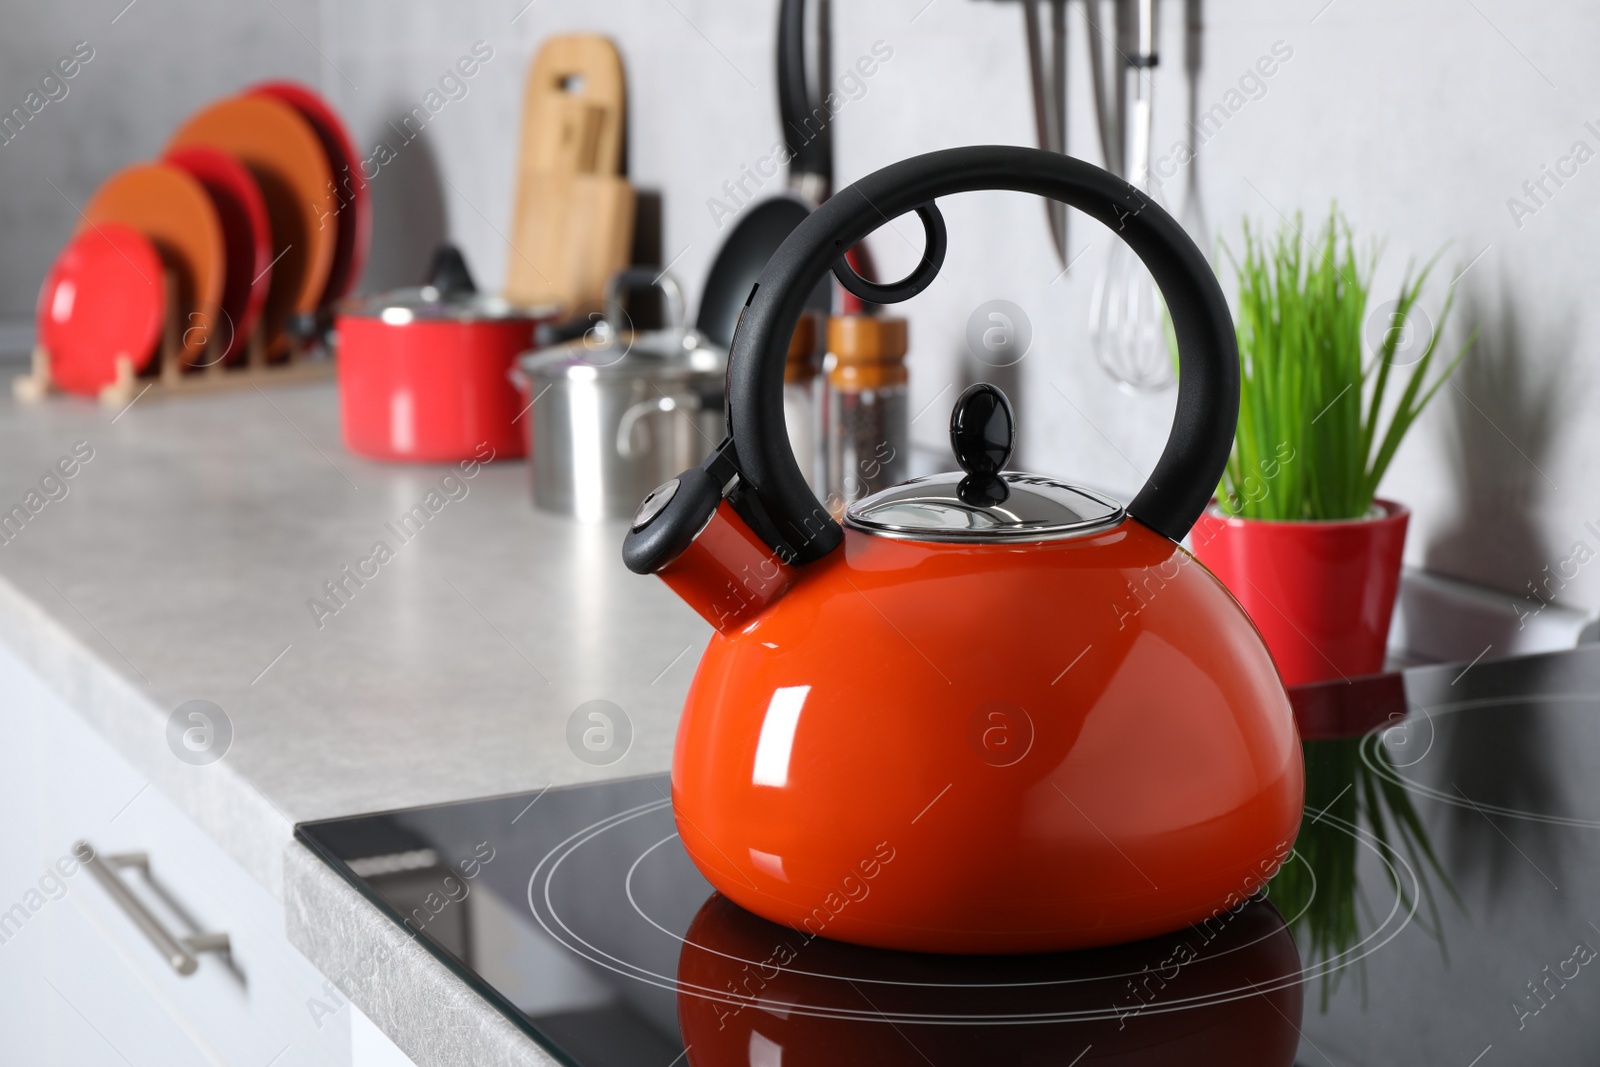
column 1035, row 508
column 983, row 502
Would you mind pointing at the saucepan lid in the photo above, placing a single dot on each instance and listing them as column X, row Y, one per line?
column 448, row 295
column 656, row 355
column 611, row 348
column 983, row 502
column 429, row 303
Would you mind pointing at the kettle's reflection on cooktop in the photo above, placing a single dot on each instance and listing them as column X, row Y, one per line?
column 1469, row 933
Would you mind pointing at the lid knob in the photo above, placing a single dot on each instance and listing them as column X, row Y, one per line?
column 448, row 272
column 983, row 433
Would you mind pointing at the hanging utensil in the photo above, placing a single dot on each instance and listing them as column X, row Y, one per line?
column 808, row 132
column 816, row 87
column 1194, row 214
column 1047, row 77
column 1103, row 45
column 1058, row 72
column 1139, row 77
column 1047, row 84
column 1106, row 42
column 1128, row 320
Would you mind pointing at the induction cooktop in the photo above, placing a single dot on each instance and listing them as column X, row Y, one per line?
column 1441, row 906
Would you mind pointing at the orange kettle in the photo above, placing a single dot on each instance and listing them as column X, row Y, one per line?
column 991, row 712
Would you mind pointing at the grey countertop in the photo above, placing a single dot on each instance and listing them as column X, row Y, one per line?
column 181, row 563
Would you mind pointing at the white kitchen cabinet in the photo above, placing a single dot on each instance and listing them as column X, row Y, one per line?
column 83, row 985
column 371, row 1047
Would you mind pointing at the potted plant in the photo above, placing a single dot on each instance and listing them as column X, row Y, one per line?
column 1298, row 533
column 1300, row 537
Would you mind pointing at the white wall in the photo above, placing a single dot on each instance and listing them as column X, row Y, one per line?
column 1422, row 118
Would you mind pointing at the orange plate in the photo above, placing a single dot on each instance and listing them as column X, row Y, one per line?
column 352, row 194
column 174, row 211
column 282, row 150
column 990, row 748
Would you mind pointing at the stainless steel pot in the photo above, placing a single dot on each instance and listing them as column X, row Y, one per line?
column 617, row 412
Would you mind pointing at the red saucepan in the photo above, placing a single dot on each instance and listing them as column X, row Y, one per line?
column 423, row 373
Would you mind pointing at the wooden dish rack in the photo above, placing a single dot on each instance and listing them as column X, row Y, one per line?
column 169, row 374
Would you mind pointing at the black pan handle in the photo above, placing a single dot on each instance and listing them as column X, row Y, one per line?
column 794, row 98
column 773, row 496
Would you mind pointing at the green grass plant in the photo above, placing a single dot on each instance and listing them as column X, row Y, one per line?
column 1320, row 419
column 1316, row 432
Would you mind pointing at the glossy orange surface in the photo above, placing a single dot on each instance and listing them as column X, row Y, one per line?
column 727, row 573
column 990, row 748
column 170, row 207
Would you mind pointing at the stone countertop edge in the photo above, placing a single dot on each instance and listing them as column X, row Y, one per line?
column 218, row 799
column 249, row 809
column 425, row 1009
column 429, row 1013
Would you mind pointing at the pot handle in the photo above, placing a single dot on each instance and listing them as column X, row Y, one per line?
column 633, row 279
column 661, row 405
column 771, row 494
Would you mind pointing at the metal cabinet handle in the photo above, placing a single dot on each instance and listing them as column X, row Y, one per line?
column 180, row 952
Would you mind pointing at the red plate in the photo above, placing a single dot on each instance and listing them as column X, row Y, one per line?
column 351, row 196
column 283, row 152
column 246, row 237
column 102, row 299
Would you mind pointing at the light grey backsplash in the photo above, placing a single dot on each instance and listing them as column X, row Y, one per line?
column 1422, row 119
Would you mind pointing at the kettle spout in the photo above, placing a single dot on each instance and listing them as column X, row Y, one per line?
column 695, row 541
column 727, row 573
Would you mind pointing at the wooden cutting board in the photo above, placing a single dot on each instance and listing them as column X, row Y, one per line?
column 572, row 226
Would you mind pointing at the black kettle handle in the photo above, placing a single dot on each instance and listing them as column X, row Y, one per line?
column 773, row 496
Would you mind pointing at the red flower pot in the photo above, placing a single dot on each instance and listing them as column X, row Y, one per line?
column 1321, row 593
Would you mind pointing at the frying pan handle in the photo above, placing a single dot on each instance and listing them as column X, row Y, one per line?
column 794, row 99
column 772, row 495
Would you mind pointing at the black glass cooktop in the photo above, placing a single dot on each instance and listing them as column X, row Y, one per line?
column 1442, row 906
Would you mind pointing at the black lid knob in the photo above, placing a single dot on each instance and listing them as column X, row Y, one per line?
column 448, row 272
column 983, row 433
